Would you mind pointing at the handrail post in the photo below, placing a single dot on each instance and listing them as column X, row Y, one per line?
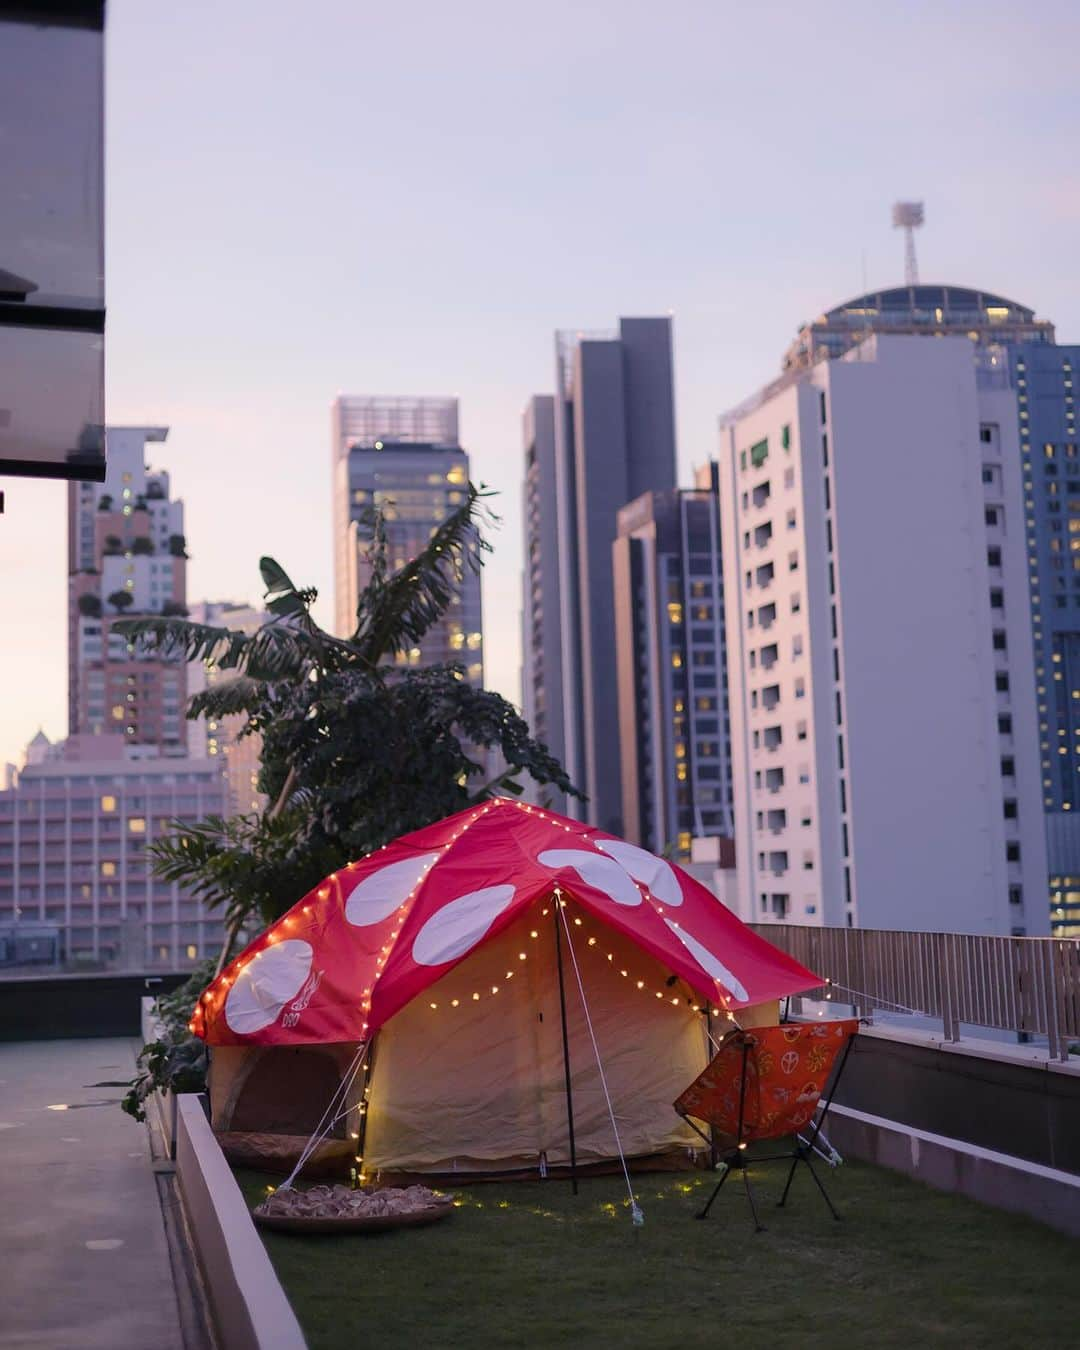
column 946, row 986
column 1050, row 1008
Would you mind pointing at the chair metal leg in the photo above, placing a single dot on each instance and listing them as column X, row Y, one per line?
column 758, row 1225
column 821, row 1188
column 790, row 1179
column 716, row 1191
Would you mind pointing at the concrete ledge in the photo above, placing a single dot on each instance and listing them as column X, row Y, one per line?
column 251, row 1311
column 1014, row 1184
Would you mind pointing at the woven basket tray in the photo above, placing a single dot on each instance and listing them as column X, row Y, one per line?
column 375, row 1223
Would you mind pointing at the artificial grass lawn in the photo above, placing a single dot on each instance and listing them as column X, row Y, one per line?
column 531, row 1265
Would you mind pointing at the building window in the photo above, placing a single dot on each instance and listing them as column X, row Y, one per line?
column 1001, row 682
column 1010, row 808
column 991, row 515
column 108, row 803
column 1012, row 852
column 137, row 825
column 999, row 639
column 993, row 557
column 997, row 599
column 1005, row 724
column 108, row 869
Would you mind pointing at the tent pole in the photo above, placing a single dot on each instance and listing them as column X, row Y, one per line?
column 556, row 902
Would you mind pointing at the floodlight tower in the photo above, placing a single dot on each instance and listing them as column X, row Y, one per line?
column 908, row 216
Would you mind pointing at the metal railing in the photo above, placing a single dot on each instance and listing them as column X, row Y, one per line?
column 1030, row 986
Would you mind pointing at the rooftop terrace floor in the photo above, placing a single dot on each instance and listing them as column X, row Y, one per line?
column 531, row 1265
column 84, row 1259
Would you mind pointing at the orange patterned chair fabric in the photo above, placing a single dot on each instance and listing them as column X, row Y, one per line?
column 787, row 1068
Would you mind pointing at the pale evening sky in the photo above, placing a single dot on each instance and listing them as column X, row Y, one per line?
column 411, row 198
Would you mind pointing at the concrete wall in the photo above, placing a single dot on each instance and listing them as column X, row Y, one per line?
column 990, row 1096
column 996, row 1179
column 250, row 1309
column 44, row 1008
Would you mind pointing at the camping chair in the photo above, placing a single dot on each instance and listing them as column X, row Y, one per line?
column 768, row 1083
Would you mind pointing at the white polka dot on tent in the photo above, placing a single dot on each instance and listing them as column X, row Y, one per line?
column 378, row 895
column 711, row 964
column 266, row 984
column 647, row 868
column 603, row 874
column 459, row 925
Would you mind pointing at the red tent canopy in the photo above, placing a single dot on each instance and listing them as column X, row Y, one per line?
column 373, row 936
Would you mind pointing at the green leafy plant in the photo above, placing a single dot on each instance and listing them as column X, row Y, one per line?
column 176, row 1061
column 356, row 748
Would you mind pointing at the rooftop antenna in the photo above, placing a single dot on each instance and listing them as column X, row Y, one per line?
column 908, row 216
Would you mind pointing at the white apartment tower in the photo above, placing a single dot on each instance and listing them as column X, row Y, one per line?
column 881, row 682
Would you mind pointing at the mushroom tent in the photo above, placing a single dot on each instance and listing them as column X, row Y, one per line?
column 443, row 954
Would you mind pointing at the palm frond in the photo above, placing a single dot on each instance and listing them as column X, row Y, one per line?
column 395, row 611
column 182, row 637
column 241, row 694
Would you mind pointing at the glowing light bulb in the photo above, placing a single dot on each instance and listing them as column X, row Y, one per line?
column 454, row 1002
column 476, row 998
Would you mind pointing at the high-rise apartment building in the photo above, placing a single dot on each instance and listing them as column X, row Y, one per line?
column 402, row 454
column 541, row 630
column 1019, row 351
column 73, row 830
column 75, row 822
column 126, row 556
column 880, row 660
column 1043, row 378
column 610, row 437
column 672, row 686
column 220, row 739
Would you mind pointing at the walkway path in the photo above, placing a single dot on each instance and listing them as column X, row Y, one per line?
column 84, row 1262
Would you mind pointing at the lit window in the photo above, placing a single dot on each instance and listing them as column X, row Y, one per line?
column 674, row 612
column 192, row 951
column 118, row 713
column 108, row 869
column 137, row 825
column 474, row 641
column 676, row 660
column 108, row 803
column 456, row 475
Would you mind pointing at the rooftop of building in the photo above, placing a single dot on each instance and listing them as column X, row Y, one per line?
column 984, row 316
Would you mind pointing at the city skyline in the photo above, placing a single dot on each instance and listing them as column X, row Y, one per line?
column 577, row 225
